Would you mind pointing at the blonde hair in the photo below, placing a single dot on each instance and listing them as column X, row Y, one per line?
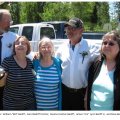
column 45, row 40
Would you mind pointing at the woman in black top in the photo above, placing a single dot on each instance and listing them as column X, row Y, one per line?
column 18, row 91
column 103, row 91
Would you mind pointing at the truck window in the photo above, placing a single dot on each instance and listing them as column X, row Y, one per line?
column 14, row 29
column 57, row 30
column 48, row 32
column 93, row 35
column 28, row 32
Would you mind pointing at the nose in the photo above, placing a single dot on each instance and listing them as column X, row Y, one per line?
column 46, row 48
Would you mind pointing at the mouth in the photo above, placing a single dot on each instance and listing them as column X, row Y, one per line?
column 107, row 51
column 20, row 48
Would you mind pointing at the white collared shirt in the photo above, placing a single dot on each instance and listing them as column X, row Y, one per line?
column 7, row 44
column 74, row 73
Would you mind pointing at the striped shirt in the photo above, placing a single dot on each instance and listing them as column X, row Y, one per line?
column 47, row 88
column 18, row 92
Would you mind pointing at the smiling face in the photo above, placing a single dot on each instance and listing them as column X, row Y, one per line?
column 73, row 34
column 5, row 22
column 46, row 48
column 110, row 47
column 21, row 46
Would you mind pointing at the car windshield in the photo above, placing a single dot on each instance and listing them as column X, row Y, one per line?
column 47, row 31
column 14, row 29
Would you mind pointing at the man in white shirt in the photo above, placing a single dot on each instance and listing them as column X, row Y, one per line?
column 76, row 55
column 6, row 41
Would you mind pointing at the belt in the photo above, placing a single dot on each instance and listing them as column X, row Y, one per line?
column 73, row 90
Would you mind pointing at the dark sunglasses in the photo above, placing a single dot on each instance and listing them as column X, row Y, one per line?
column 109, row 43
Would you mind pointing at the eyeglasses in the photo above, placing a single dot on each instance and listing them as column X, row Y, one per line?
column 108, row 43
column 11, row 22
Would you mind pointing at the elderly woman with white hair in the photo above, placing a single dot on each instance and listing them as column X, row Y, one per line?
column 48, row 77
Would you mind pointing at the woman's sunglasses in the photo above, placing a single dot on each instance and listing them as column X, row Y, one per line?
column 109, row 43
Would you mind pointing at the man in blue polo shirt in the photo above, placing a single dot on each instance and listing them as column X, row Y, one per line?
column 6, row 41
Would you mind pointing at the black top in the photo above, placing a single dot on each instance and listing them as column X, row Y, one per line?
column 18, row 92
column 0, row 48
column 93, row 73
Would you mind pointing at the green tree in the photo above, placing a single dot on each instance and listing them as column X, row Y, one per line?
column 82, row 10
column 93, row 14
column 117, row 10
column 56, row 11
column 4, row 5
column 15, row 12
column 103, row 12
column 31, row 12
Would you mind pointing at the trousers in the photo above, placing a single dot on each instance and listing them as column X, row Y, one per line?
column 73, row 99
column 1, row 98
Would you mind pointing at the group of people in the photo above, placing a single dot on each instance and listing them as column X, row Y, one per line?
column 78, row 76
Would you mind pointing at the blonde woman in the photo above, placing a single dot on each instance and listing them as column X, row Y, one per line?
column 48, row 77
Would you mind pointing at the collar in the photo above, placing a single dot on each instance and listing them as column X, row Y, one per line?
column 77, row 43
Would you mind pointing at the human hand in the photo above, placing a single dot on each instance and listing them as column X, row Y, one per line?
column 2, row 72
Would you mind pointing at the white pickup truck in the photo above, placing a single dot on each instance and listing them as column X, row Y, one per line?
column 35, row 31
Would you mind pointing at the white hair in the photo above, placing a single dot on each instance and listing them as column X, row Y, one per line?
column 4, row 11
column 46, row 40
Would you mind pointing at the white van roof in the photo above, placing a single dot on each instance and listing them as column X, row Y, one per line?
column 33, row 24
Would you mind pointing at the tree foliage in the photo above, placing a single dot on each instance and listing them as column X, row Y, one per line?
column 117, row 5
column 56, row 11
column 31, row 12
column 15, row 12
column 93, row 14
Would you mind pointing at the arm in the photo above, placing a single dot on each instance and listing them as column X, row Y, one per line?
column 85, row 100
column 3, row 80
column 5, row 66
column 95, row 51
